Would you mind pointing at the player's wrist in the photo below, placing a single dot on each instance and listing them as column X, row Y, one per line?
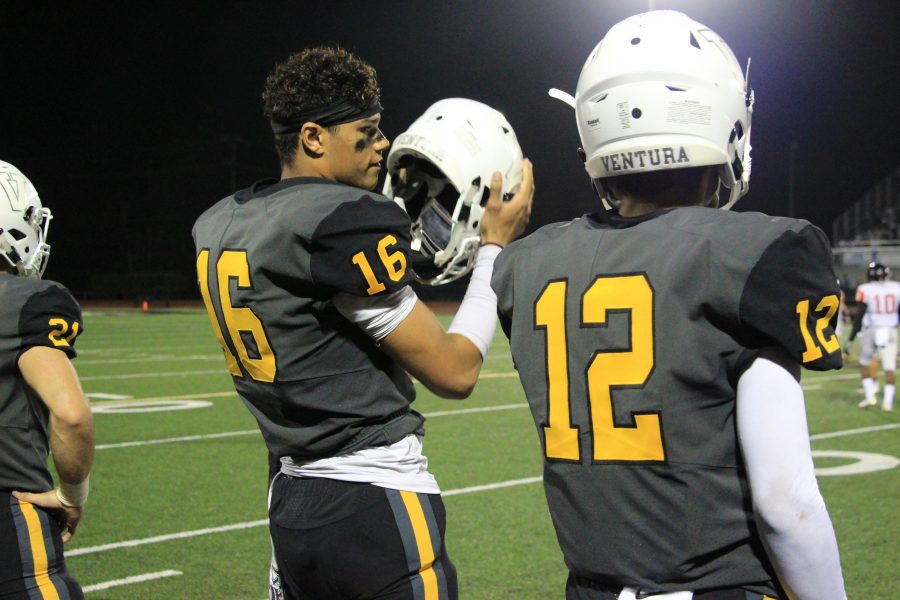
column 487, row 252
column 476, row 318
column 73, row 494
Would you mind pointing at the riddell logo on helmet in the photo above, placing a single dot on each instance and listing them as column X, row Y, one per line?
column 625, row 161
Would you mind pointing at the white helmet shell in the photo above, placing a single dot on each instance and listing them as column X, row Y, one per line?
column 439, row 172
column 661, row 91
column 23, row 224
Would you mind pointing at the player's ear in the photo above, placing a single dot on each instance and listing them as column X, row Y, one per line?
column 313, row 139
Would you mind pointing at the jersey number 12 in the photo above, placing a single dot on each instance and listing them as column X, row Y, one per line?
column 606, row 371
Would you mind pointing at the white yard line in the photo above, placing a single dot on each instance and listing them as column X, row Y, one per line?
column 186, row 438
column 210, row 436
column 845, row 432
column 146, row 359
column 97, row 587
column 465, row 411
column 138, row 401
column 498, row 375
column 153, row 374
column 492, row 486
column 836, row 377
column 165, row 538
column 261, row 522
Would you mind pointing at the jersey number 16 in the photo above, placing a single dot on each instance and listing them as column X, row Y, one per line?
column 240, row 321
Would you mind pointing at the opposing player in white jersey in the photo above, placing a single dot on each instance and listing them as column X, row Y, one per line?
column 877, row 318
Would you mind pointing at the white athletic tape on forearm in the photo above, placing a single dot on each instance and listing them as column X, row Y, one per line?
column 74, row 494
column 380, row 315
column 476, row 318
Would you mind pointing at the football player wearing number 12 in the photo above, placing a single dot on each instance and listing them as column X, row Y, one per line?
column 663, row 365
column 306, row 283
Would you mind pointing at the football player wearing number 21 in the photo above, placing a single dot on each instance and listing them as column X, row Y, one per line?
column 43, row 410
column 306, row 283
column 659, row 341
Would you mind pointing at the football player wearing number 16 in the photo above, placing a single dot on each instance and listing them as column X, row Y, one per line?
column 660, row 340
column 42, row 407
column 306, row 282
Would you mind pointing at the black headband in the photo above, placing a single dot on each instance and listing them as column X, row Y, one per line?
column 334, row 114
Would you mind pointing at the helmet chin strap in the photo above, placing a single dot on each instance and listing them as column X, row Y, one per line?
column 609, row 203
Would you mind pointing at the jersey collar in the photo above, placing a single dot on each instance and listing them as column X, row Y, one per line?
column 269, row 186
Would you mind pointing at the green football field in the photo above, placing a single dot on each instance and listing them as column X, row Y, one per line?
column 178, row 499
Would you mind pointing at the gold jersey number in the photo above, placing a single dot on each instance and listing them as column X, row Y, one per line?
column 394, row 264
column 813, row 348
column 60, row 334
column 606, row 371
column 233, row 264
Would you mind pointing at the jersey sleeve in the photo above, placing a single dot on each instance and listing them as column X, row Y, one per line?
column 51, row 318
column 362, row 248
column 791, row 299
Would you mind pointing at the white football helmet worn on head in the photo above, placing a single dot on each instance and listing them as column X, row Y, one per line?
column 23, row 224
column 439, row 172
column 661, row 91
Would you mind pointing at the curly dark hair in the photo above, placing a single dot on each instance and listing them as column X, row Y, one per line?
column 313, row 78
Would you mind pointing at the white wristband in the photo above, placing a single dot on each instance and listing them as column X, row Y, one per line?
column 73, row 494
column 476, row 318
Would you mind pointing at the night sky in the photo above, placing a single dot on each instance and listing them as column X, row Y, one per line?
column 127, row 119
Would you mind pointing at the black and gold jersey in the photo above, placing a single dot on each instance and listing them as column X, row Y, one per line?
column 629, row 336
column 269, row 261
column 33, row 313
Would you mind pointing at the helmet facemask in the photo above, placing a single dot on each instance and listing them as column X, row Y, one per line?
column 440, row 172
column 430, row 199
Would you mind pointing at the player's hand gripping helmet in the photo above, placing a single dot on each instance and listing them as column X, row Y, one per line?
column 877, row 272
column 23, row 224
column 661, row 91
column 439, row 172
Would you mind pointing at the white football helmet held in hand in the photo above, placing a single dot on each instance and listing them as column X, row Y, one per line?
column 439, row 172
column 662, row 91
column 23, row 224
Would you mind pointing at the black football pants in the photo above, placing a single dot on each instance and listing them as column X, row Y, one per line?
column 341, row 540
column 31, row 554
